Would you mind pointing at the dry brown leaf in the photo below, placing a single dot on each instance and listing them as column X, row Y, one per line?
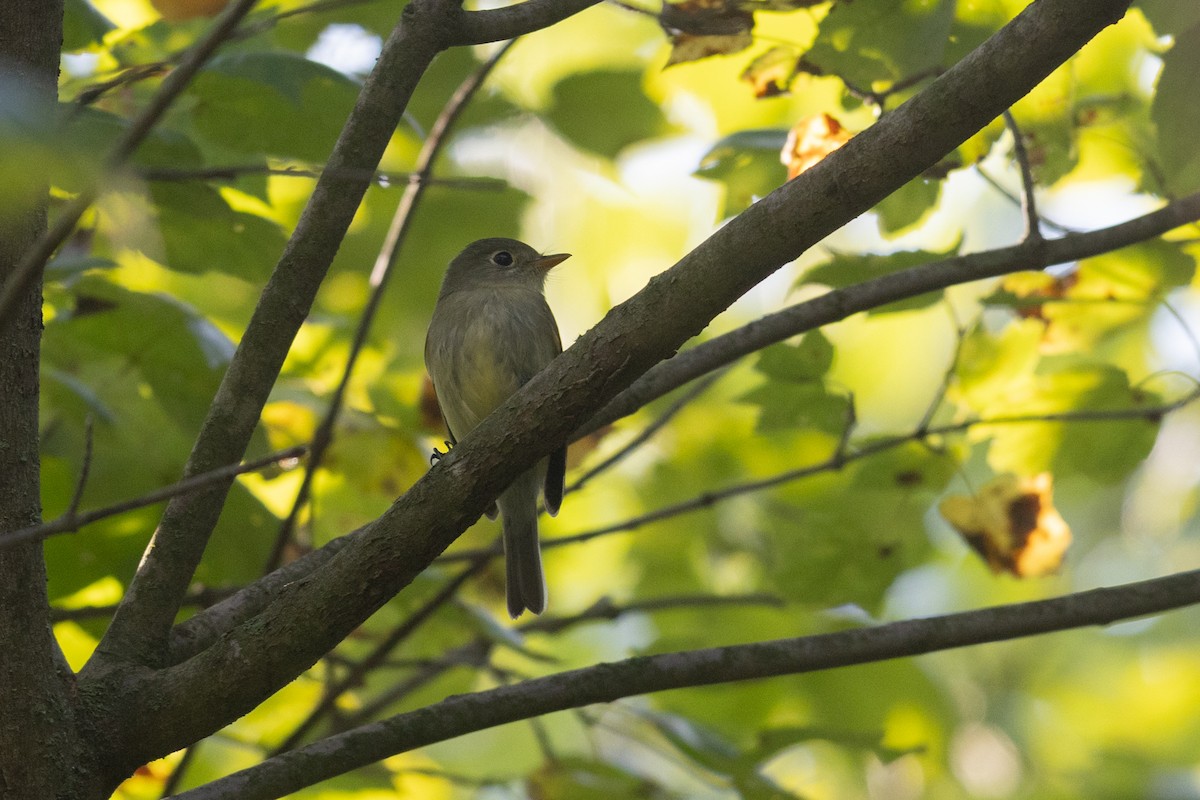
column 810, row 140
column 703, row 28
column 1012, row 524
column 771, row 73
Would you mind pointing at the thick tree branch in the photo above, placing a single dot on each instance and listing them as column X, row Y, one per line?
column 167, row 709
column 42, row 751
column 141, row 625
column 1031, row 254
column 202, row 629
column 605, row 683
column 385, row 265
column 494, row 25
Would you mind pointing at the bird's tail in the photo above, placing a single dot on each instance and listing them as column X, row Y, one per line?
column 526, row 584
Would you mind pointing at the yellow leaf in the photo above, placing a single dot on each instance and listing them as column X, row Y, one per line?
column 1012, row 524
column 810, row 140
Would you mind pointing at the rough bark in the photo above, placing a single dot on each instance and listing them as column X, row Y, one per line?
column 41, row 752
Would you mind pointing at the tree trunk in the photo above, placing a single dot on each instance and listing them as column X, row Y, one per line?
column 41, row 755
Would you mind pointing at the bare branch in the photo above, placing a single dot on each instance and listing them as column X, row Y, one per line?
column 605, row 683
column 166, row 709
column 356, row 674
column 71, row 521
column 35, row 258
column 1028, row 202
column 384, row 265
column 647, row 433
column 494, row 25
column 841, row 303
column 141, row 626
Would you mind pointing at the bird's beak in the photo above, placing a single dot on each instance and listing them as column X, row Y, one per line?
column 547, row 263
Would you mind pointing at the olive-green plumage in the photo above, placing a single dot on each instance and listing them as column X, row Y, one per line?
column 491, row 332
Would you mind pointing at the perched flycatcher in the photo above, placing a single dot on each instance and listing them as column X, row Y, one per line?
column 491, row 332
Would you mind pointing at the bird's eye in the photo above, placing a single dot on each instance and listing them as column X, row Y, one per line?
column 502, row 259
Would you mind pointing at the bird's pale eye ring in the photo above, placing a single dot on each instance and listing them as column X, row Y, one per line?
column 502, row 258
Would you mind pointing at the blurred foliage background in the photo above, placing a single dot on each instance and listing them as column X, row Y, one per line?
column 584, row 140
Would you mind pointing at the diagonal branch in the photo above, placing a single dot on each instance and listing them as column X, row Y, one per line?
column 384, row 267
column 168, row 708
column 605, row 683
column 140, row 628
column 1030, row 254
column 202, row 629
column 73, row 520
column 497, row 24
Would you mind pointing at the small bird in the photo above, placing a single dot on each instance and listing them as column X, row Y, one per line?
column 492, row 331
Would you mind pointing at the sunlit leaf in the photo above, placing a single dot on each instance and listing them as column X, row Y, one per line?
column 83, row 25
column 1176, row 114
column 703, row 28
column 747, row 163
column 273, row 103
column 771, row 73
column 1012, row 524
column 810, row 140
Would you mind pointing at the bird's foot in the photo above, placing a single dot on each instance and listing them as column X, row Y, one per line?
column 437, row 455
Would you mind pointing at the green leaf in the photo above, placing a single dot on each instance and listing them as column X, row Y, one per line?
column 1177, row 115
column 272, row 103
column 201, row 233
column 835, row 542
column 792, row 406
column 845, row 269
column 85, row 137
column 180, row 355
column 83, row 25
column 1102, row 450
column 908, row 206
column 605, row 111
column 806, row 361
column 884, row 40
column 747, row 162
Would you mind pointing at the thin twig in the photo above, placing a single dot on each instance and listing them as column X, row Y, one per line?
column 960, row 335
column 473, row 654
column 201, row 597
column 69, row 523
column 649, row 431
column 358, row 672
column 606, row 609
column 176, row 777
column 1028, row 202
column 836, row 462
column 1016, row 200
column 384, row 266
column 381, row 177
column 477, row 652
column 34, row 260
column 84, row 470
